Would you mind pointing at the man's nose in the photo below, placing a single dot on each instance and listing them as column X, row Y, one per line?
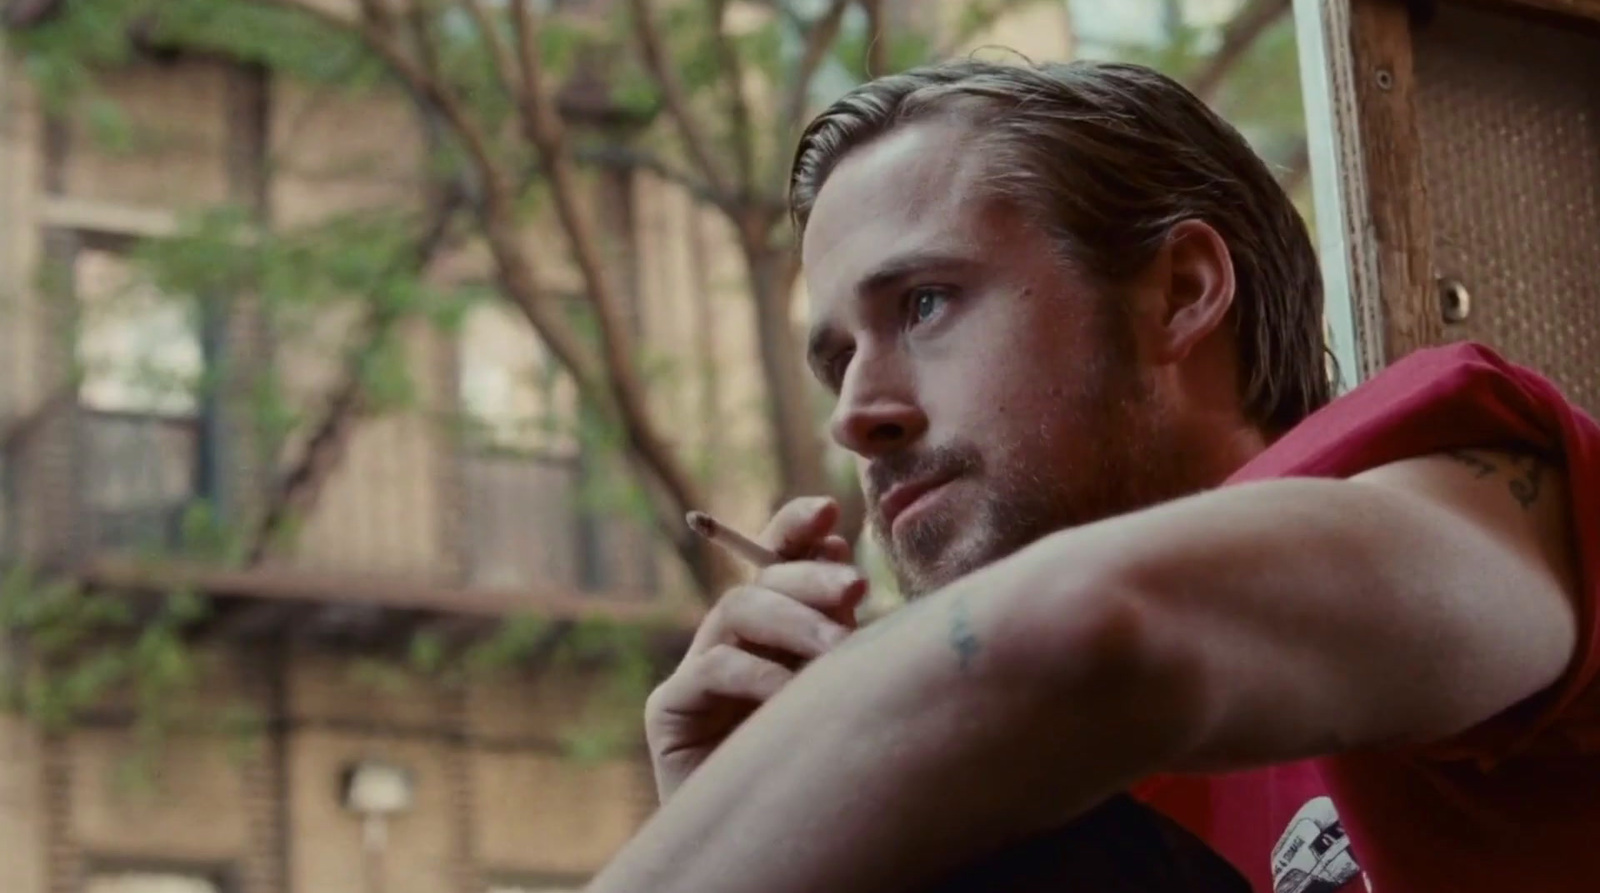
column 874, row 418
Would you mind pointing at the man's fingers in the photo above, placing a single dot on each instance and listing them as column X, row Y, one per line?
column 820, row 584
column 799, row 526
column 760, row 616
column 834, row 548
column 724, row 671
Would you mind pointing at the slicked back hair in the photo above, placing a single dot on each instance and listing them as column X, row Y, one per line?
column 1108, row 158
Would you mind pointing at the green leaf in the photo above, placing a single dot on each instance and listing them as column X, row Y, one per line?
column 386, row 374
column 378, row 675
column 515, row 640
column 109, row 127
column 427, row 653
column 635, row 92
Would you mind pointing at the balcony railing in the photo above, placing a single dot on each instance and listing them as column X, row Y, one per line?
column 525, row 523
column 139, row 478
column 79, row 481
column 82, row 485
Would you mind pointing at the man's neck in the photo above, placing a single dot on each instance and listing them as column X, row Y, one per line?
column 1217, row 446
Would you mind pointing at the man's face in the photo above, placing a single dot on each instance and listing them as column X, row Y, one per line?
column 990, row 395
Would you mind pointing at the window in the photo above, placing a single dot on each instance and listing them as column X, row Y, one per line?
column 141, row 361
column 522, row 468
column 516, row 396
column 139, row 349
column 530, row 517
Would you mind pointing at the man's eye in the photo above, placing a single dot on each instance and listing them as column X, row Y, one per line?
column 926, row 303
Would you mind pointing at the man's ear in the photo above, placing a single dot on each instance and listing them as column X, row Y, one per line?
column 1198, row 290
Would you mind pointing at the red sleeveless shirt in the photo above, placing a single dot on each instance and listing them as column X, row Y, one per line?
column 1512, row 805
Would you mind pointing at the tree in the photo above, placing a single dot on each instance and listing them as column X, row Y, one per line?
column 709, row 94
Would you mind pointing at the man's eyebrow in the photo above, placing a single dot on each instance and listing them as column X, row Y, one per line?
column 900, row 267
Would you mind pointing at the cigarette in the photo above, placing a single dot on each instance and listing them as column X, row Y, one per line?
column 717, row 532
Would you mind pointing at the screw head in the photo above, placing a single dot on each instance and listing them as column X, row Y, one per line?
column 1455, row 302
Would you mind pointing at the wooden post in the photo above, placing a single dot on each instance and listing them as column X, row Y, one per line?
column 1372, row 210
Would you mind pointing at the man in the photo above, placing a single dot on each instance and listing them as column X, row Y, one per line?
column 1075, row 332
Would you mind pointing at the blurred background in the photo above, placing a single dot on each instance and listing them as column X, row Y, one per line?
column 358, row 362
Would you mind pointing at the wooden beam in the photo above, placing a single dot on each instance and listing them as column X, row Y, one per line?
column 553, row 602
column 1384, row 233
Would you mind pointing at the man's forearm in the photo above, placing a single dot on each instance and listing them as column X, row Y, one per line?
column 905, row 754
column 1249, row 625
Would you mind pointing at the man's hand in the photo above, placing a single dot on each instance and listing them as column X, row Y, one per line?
column 755, row 639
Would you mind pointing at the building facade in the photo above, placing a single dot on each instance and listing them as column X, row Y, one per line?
column 344, row 783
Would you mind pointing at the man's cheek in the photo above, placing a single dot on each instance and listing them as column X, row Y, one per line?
column 972, row 390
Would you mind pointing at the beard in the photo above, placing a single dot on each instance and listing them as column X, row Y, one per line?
column 1128, row 463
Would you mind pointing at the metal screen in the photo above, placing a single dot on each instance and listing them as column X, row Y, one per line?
column 1508, row 111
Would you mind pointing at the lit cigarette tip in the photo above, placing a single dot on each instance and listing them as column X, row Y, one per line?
column 701, row 523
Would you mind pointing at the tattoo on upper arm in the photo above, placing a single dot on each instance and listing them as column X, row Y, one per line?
column 1525, row 487
column 1525, row 473
column 962, row 637
column 1476, row 462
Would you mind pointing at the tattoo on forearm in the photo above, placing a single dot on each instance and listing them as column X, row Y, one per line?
column 1526, row 473
column 962, row 637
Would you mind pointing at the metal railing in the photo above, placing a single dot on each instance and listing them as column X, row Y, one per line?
column 86, row 484
column 139, row 478
column 525, row 522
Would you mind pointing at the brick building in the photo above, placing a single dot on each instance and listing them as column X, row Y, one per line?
column 413, row 531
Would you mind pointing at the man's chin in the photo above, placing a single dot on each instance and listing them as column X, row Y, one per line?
column 920, row 572
column 922, row 569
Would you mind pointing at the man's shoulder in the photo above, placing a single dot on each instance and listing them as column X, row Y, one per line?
column 1432, row 400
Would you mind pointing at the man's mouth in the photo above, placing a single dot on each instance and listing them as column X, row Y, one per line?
column 904, row 500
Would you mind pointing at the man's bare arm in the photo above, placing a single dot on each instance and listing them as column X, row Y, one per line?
column 1248, row 625
column 1424, row 597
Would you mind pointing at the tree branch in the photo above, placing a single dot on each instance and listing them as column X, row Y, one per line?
column 543, row 128
column 417, row 17
column 877, row 41
column 494, row 205
column 377, row 17
column 504, row 67
column 738, row 107
column 633, row 158
column 302, row 485
column 818, row 41
column 412, row 77
column 673, row 94
column 1240, row 34
column 525, row 30
column 609, row 380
